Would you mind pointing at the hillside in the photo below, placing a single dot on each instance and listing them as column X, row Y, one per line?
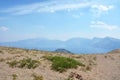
column 96, row 66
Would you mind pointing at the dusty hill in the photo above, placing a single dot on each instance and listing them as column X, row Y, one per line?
column 23, row 64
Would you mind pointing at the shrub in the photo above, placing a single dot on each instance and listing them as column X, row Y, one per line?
column 62, row 63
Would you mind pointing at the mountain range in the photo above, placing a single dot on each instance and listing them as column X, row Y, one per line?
column 74, row 45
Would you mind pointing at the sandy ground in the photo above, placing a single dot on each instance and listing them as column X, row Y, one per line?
column 101, row 66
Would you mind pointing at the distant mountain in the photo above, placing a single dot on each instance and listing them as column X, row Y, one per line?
column 62, row 51
column 43, row 44
column 75, row 45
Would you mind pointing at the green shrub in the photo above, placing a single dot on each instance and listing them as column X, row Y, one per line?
column 62, row 63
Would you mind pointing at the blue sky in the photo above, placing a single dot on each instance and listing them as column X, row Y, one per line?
column 58, row 19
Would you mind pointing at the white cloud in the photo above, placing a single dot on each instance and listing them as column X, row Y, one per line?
column 102, row 25
column 99, row 9
column 3, row 28
column 48, row 6
column 52, row 6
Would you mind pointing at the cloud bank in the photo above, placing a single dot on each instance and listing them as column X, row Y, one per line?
column 58, row 5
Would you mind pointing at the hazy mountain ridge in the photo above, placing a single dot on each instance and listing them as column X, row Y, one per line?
column 75, row 45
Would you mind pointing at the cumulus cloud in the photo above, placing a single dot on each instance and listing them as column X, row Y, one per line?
column 3, row 28
column 102, row 25
column 99, row 9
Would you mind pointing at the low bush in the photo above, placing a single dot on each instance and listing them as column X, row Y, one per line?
column 62, row 63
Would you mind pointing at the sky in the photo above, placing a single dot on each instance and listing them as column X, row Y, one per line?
column 58, row 19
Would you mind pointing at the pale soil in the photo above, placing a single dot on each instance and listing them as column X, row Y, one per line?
column 102, row 66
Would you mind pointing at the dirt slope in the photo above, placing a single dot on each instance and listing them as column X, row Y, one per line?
column 98, row 66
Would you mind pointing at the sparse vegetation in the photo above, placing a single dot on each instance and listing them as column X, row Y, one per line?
column 14, row 76
column 1, row 59
column 13, row 63
column 62, row 63
column 88, row 68
column 95, row 58
column 75, row 76
column 68, row 78
column 28, row 63
column 105, row 56
column 24, row 63
column 111, row 57
column 1, row 52
column 78, row 56
column 92, row 62
column 37, row 77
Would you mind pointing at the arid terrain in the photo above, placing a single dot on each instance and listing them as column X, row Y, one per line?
column 97, row 66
